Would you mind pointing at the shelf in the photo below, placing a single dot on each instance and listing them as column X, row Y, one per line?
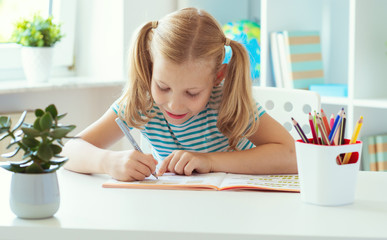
column 21, row 86
column 368, row 103
column 371, row 103
column 334, row 100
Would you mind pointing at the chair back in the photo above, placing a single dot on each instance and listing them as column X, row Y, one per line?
column 282, row 104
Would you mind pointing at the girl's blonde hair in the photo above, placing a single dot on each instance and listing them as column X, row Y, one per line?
column 184, row 35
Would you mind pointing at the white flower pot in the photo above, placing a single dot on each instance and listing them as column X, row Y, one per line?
column 37, row 62
column 34, row 195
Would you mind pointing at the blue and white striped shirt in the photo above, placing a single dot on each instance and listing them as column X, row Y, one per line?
column 198, row 134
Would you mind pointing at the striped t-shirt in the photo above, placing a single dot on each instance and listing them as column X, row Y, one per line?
column 198, row 134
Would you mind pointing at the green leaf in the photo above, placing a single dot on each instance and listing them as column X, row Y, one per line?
column 55, row 149
column 45, row 165
column 30, row 142
column 58, row 164
column 52, row 109
column 5, row 122
column 20, row 162
column 13, row 142
column 59, row 160
column 37, row 124
column 4, row 129
column 13, row 168
column 11, row 154
column 39, row 112
column 45, row 152
column 27, row 154
column 46, row 121
column 4, row 136
column 61, row 116
column 34, row 168
column 31, row 132
column 61, row 132
column 20, row 122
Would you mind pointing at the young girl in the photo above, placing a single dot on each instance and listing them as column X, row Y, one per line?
column 197, row 113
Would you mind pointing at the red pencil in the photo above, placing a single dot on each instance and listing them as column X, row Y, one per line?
column 325, row 122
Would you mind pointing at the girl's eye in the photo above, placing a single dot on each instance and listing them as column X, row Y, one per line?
column 192, row 94
column 163, row 89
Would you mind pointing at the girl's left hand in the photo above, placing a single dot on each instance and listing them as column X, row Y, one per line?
column 184, row 163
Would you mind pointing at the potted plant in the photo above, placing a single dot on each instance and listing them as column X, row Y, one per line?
column 37, row 37
column 34, row 185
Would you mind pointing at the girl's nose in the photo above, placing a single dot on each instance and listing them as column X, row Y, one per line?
column 175, row 104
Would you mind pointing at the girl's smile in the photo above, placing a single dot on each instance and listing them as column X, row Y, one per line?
column 176, row 116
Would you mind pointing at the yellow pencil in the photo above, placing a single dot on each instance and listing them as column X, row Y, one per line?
column 354, row 138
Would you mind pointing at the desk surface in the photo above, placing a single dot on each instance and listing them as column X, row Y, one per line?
column 89, row 211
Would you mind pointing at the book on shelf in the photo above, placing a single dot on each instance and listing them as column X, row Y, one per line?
column 214, row 181
column 300, row 57
column 381, row 152
column 375, row 153
column 331, row 90
column 368, row 154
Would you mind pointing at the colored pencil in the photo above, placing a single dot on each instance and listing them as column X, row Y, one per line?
column 325, row 122
column 315, row 124
column 312, row 128
column 325, row 136
column 331, row 121
column 323, row 133
column 300, row 132
column 355, row 134
column 342, row 130
column 335, row 126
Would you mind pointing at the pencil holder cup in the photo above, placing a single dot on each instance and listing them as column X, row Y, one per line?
column 323, row 179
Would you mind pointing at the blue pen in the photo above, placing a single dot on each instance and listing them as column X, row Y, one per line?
column 335, row 126
column 126, row 131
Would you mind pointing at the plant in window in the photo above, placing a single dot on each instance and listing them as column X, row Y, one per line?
column 37, row 37
column 37, row 32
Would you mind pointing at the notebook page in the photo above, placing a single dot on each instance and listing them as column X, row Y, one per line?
column 277, row 182
column 173, row 181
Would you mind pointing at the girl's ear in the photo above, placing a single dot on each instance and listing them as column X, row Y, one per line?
column 220, row 74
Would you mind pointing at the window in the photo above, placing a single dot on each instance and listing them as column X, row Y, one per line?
column 12, row 10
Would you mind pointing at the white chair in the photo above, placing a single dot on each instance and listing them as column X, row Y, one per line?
column 283, row 104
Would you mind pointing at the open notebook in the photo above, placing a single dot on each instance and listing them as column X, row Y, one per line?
column 214, row 181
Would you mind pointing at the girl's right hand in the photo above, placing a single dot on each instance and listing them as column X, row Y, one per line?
column 131, row 165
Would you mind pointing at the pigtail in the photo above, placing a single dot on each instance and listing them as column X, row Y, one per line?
column 238, row 114
column 137, row 99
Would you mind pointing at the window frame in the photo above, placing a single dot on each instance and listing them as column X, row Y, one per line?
column 64, row 12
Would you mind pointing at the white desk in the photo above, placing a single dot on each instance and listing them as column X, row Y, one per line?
column 89, row 211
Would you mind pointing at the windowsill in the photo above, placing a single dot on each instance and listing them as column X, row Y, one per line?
column 20, row 86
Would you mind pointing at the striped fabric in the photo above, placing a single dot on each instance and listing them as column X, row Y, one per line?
column 306, row 64
column 198, row 134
